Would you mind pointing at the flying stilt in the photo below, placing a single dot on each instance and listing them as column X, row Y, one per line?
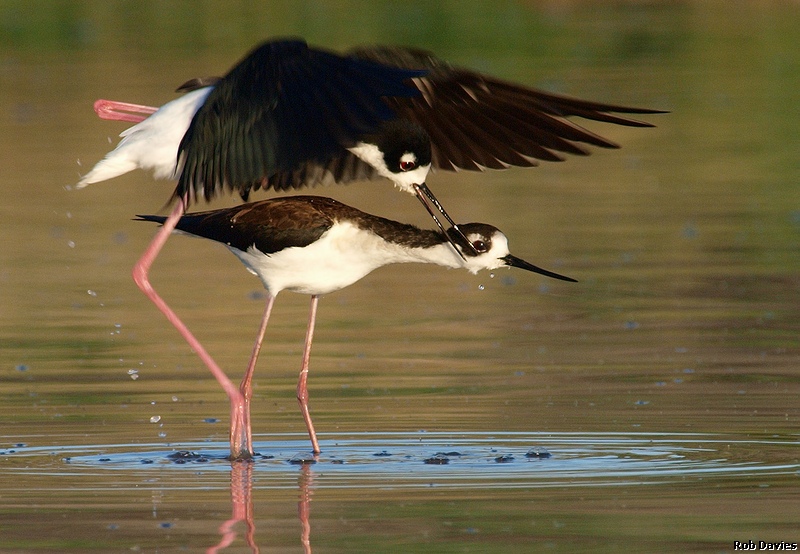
column 289, row 115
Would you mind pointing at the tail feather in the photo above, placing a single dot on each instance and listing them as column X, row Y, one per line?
column 154, row 218
column 109, row 167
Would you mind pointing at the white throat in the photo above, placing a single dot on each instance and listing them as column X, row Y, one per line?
column 404, row 180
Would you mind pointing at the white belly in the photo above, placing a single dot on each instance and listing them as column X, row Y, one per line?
column 342, row 256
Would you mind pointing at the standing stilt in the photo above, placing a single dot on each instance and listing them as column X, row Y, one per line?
column 246, row 387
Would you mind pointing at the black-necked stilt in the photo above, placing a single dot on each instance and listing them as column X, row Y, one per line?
column 315, row 245
column 288, row 116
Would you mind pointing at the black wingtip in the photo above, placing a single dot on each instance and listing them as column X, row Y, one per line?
column 197, row 83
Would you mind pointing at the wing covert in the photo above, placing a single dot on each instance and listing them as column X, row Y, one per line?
column 284, row 105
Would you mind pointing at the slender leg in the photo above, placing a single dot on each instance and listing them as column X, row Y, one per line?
column 241, row 508
column 304, row 507
column 108, row 109
column 240, row 449
column 302, row 389
column 246, row 386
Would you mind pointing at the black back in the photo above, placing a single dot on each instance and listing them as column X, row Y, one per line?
column 277, row 223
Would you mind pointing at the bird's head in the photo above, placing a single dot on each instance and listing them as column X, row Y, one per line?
column 400, row 151
column 488, row 249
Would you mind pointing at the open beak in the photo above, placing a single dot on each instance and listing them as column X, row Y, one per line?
column 513, row 261
column 429, row 201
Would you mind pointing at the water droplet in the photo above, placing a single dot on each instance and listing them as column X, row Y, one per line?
column 90, row 292
column 71, row 243
column 491, row 275
column 155, row 419
column 481, row 287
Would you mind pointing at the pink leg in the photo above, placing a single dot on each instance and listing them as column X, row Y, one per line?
column 246, row 386
column 240, row 449
column 304, row 507
column 107, row 109
column 242, row 508
column 302, row 389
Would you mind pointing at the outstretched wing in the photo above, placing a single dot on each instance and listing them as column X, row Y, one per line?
column 284, row 105
column 283, row 117
column 476, row 121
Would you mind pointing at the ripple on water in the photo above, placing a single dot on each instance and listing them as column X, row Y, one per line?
column 424, row 459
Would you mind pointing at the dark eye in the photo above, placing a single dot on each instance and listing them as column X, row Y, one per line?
column 479, row 246
column 407, row 166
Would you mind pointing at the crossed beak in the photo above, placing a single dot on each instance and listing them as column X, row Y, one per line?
column 433, row 206
column 430, row 202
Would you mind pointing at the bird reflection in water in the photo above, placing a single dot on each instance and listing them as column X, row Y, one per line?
column 242, row 507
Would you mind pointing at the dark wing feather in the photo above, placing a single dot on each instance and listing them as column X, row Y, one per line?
column 477, row 121
column 284, row 105
column 197, row 83
column 269, row 225
column 292, row 221
column 339, row 170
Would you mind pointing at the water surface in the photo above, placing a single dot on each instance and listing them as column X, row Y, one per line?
column 663, row 385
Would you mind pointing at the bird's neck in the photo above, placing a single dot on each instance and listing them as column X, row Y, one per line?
column 441, row 254
column 387, row 242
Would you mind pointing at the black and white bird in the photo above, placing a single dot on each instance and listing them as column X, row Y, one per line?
column 315, row 245
column 289, row 115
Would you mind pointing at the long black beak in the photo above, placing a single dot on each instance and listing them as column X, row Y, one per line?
column 427, row 198
column 513, row 261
